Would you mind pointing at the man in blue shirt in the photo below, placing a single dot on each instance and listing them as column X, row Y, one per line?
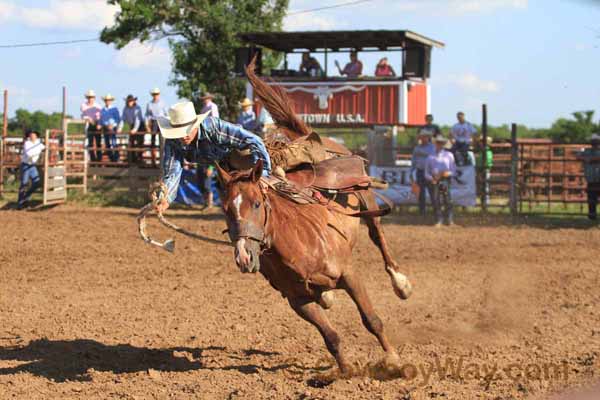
column 109, row 120
column 247, row 118
column 421, row 151
column 132, row 116
column 203, row 138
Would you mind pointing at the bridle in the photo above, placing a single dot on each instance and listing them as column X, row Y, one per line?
column 244, row 229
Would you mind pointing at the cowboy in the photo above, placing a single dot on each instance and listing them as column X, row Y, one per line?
column 132, row 116
column 461, row 135
column 32, row 148
column 591, row 169
column 421, row 152
column 439, row 169
column 90, row 113
column 155, row 108
column 203, row 138
column 209, row 105
column 247, row 118
column 109, row 120
column 353, row 69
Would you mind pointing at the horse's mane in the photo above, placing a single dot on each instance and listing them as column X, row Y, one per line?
column 278, row 104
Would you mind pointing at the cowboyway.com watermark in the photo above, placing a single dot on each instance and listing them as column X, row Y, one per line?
column 460, row 369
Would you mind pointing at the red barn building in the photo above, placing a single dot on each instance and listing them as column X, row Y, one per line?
column 363, row 101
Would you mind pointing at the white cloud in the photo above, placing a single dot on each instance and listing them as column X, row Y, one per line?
column 64, row 14
column 309, row 22
column 144, row 55
column 472, row 83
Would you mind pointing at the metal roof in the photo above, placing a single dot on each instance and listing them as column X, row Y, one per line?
column 338, row 40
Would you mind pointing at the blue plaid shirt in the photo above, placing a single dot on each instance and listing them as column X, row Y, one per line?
column 216, row 139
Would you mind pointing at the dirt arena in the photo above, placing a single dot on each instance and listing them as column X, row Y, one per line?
column 88, row 311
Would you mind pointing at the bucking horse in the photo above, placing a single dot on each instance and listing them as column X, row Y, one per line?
column 299, row 230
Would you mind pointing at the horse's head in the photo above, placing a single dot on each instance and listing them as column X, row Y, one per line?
column 245, row 206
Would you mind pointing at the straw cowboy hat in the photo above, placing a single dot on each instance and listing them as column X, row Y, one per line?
column 108, row 97
column 207, row 95
column 246, row 102
column 155, row 91
column 182, row 119
column 90, row 93
column 440, row 139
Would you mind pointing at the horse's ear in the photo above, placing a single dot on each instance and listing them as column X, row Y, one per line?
column 257, row 171
column 222, row 174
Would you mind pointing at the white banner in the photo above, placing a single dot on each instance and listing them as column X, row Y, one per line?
column 462, row 189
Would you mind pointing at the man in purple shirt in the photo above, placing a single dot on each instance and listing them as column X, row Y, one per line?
column 90, row 113
column 439, row 169
column 353, row 69
column 209, row 105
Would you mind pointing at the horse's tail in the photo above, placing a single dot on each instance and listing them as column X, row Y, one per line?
column 277, row 103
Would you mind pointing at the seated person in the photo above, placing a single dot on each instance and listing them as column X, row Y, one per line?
column 384, row 68
column 310, row 65
column 353, row 69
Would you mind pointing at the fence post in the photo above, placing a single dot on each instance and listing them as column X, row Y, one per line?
column 483, row 167
column 514, row 159
column 3, row 140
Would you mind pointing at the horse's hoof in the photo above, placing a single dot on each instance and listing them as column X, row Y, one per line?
column 401, row 284
column 326, row 300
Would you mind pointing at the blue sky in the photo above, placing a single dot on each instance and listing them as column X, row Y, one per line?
column 531, row 61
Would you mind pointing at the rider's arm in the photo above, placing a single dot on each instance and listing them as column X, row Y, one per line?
column 172, row 160
column 233, row 136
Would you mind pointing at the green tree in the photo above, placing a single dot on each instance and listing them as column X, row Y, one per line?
column 202, row 35
column 37, row 120
column 576, row 130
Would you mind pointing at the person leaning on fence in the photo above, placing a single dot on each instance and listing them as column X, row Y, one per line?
column 439, row 170
column 205, row 139
column 208, row 106
column 109, row 120
column 421, row 152
column 247, row 117
column 155, row 108
column 132, row 116
column 487, row 168
column 90, row 113
column 32, row 148
column 461, row 135
column 591, row 170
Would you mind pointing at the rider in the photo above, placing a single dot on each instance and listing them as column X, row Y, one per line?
column 201, row 137
column 461, row 135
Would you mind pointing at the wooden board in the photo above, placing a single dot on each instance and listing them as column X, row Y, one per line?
column 59, row 194
column 56, row 171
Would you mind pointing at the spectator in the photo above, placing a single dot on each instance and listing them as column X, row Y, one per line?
column 247, row 118
column 462, row 136
column 487, row 168
column 109, row 120
column 208, row 105
column 421, row 152
column 353, row 69
column 32, row 148
column 155, row 108
column 90, row 113
column 439, row 169
column 205, row 174
column 310, row 65
column 430, row 126
column 132, row 116
column 264, row 122
column 591, row 169
column 384, row 68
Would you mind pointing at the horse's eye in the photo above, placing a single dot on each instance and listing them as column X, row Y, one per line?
column 256, row 204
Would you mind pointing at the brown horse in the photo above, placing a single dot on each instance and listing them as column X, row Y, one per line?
column 302, row 250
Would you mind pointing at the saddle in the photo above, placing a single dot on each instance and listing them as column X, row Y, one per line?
column 346, row 173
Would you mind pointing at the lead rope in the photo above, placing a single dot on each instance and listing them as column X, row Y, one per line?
column 156, row 192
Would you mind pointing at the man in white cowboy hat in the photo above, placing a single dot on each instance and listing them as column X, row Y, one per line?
column 109, row 120
column 90, row 113
column 421, row 152
column 591, row 170
column 155, row 108
column 439, row 169
column 208, row 105
column 204, row 139
column 247, row 117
